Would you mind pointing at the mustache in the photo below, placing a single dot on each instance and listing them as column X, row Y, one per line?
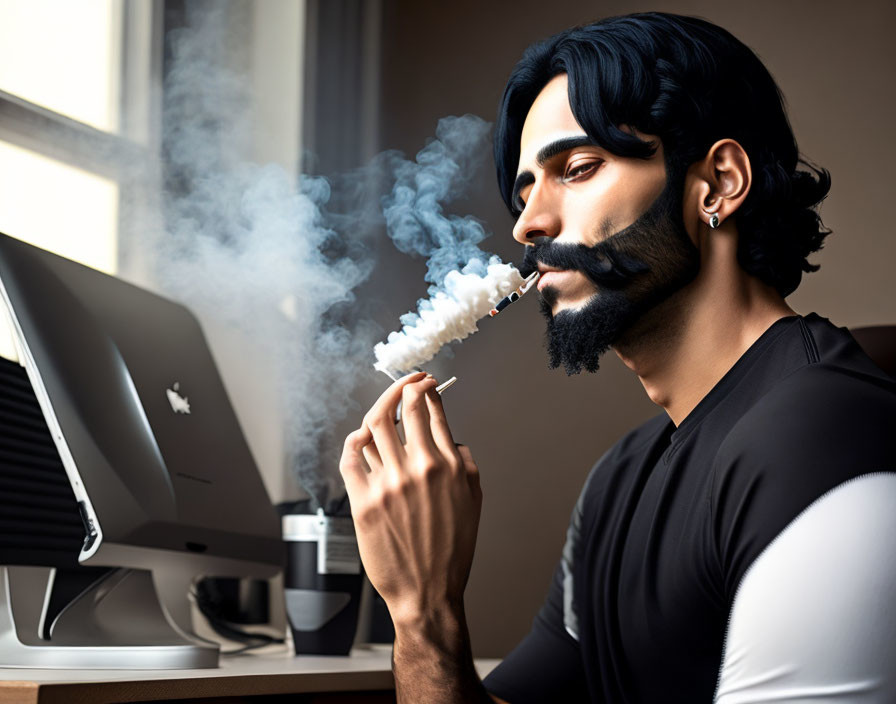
column 603, row 263
column 614, row 262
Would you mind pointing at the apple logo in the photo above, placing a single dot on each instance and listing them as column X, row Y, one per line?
column 179, row 404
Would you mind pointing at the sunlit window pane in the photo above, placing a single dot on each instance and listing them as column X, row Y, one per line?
column 64, row 55
column 57, row 207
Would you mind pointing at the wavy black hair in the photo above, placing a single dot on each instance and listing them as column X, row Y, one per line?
column 690, row 83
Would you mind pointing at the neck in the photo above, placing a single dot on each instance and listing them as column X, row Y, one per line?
column 682, row 348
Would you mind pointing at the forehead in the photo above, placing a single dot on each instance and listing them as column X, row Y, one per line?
column 550, row 118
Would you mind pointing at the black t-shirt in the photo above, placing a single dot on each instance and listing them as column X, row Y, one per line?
column 670, row 520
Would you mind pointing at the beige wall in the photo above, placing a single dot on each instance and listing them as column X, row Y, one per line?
column 536, row 433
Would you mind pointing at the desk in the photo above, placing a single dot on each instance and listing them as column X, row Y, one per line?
column 273, row 677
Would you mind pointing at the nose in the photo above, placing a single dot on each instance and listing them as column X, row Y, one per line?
column 540, row 217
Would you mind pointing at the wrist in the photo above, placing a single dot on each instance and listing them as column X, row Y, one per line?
column 432, row 659
column 424, row 618
column 434, row 632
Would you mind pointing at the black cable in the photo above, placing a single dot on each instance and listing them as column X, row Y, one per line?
column 210, row 610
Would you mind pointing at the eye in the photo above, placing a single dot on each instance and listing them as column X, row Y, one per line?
column 580, row 169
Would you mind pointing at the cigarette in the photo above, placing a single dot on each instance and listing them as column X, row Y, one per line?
column 515, row 295
column 445, row 384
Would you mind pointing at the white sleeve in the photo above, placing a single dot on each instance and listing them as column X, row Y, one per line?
column 814, row 618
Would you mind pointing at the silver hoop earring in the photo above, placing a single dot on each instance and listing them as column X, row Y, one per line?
column 714, row 221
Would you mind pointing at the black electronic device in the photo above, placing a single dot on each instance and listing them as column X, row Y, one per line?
column 125, row 474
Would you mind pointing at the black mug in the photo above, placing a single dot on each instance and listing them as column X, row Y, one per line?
column 322, row 582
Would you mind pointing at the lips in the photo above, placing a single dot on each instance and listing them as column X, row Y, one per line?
column 551, row 276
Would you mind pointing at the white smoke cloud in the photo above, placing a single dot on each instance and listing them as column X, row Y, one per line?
column 450, row 314
column 466, row 281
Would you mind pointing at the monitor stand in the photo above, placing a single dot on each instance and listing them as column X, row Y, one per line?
column 115, row 621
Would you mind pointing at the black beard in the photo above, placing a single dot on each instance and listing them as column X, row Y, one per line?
column 633, row 270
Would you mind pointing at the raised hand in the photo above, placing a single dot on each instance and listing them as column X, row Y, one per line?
column 416, row 503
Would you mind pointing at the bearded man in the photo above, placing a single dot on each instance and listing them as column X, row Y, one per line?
column 735, row 548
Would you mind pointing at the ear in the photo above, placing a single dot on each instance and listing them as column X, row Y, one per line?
column 725, row 178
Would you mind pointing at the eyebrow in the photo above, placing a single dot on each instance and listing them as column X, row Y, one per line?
column 558, row 146
column 547, row 152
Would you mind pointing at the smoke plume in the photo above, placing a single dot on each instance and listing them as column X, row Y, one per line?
column 465, row 281
column 414, row 210
column 247, row 249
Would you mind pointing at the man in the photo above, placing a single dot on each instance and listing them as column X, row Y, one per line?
column 734, row 548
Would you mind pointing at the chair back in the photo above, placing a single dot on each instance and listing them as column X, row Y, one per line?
column 879, row 343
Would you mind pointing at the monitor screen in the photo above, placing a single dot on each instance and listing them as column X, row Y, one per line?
column 156, row 462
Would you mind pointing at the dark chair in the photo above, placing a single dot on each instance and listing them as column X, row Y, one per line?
column 879, row 343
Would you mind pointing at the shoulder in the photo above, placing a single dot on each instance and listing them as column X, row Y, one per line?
column 817, row 429
column 813, row 613
column 819, row 415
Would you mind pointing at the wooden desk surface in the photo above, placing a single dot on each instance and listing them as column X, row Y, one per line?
column 365, row 676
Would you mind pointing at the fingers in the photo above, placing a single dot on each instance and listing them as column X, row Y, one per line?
column 380, row 420
column 428, row 440
column 372, row 455
column 352, row 466
column 415, row 416
column 438, row 424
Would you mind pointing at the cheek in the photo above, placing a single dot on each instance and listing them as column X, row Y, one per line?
column 643, row 185
column 589, row 209
column 617, row 199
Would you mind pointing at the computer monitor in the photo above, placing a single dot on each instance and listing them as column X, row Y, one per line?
column 126, row 473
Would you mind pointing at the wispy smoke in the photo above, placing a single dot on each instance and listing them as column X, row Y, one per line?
column 249, row 250
column 414, row 210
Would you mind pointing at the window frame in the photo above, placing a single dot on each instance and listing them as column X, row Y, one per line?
column 129, row 157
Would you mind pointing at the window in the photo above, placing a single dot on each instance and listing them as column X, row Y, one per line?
column 76, row 82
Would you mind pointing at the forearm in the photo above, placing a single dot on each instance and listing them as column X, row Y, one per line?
column 433, row 662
